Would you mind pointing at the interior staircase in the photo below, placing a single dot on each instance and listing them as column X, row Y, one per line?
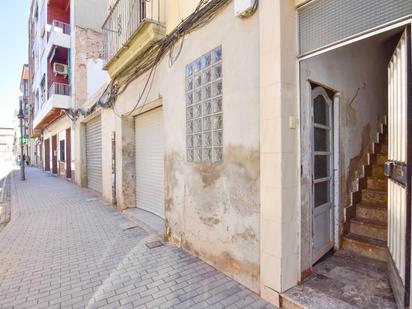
column 367, row 228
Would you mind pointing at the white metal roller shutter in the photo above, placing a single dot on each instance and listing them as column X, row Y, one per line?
column 94, row 154
column 150, row 162
column 325, row 22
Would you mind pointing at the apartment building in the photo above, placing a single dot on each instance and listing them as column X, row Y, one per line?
column 262, row 135
column 29, row 144
column 65, row 47
column 7, row 138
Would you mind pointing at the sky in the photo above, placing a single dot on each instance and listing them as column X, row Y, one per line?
column 13, row 54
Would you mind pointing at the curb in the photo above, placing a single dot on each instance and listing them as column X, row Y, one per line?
column 5, row 203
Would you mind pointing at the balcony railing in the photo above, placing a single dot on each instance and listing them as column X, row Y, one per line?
column 123, row 21
column 59, row 26
column 58, row 88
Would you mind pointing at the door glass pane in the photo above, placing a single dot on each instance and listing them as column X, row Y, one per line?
column 321, row 166
column 321, row 111
column 321, row 139
column 322, row 193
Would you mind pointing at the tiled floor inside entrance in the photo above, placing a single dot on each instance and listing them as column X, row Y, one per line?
column 345, row 281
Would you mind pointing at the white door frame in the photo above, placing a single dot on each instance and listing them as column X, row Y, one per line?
column 336, row 169
column 370, row 33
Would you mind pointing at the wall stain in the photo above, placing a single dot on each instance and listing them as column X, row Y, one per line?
column 243, row 271
column 212, row 210
column 247, row 235
column 210, row 221
column 173, row 164
column 356, row 162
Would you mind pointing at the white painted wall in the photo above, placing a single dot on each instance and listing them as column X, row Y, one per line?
column 96, row 76
column 90, row 13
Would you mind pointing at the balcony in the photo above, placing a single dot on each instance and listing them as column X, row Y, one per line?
column 130, row 28
column 58, row 36
column 58, row 97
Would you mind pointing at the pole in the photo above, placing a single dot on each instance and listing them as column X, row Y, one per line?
column 21, row 117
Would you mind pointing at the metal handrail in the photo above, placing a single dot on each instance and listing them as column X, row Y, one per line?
column 124, row 20
column 58, row 88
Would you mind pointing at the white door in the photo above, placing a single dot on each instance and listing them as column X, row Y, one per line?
column 94, row 154
column 150, row 162
column 322, row 163
column 398, row 169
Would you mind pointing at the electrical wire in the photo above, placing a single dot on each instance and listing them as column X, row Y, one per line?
column 205, row 11
column 172, row 58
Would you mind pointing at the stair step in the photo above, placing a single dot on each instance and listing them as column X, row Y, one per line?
column 369, row 228
column 365, row 246
column 376, row 212
column 382, row 149
column 379, row 159
column 375, row 171
column 374, row 196
column 377, row 183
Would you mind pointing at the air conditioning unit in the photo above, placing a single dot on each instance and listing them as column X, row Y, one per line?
column 60, row 69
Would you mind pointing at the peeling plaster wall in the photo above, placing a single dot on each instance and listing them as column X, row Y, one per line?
column 88, row 51
column 87, row 80
column 358, row 72
column 212, row 210
column 108, row 126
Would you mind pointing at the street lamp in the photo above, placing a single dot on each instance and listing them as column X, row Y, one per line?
column 21, row 117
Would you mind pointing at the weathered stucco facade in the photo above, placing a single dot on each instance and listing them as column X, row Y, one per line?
column 87, row 67
column 240, row 214
column 250, row 214
column 87, row 63
column 206, row 205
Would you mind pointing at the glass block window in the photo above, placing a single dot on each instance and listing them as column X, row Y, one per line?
column 204, row 119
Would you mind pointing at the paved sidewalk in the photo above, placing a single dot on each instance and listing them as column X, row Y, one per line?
column 64, row 248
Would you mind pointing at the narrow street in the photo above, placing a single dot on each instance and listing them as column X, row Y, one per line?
column 65, row 248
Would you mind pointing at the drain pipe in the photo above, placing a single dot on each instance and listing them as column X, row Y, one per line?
column 114, row 200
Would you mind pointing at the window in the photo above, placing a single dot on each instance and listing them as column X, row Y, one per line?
column 62, row 152
column 36, row 11
column 204, row 115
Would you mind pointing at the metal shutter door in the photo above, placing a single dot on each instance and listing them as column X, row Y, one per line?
column 150, row 162
column 94, row 154
column 324, row 22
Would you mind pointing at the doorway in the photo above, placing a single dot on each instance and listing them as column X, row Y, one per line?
column 68, row 154
column 322, row 177
column 149, row 141
column 47, row 155
column 54, row 154
column 369, row 219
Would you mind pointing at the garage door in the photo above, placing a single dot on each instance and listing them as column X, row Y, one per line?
column 150, row 162
column 94, row 154
column 325, row 22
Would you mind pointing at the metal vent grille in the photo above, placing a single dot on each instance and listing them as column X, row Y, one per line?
column 323, row 22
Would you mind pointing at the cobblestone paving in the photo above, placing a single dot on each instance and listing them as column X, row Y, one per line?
column 64, row 248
